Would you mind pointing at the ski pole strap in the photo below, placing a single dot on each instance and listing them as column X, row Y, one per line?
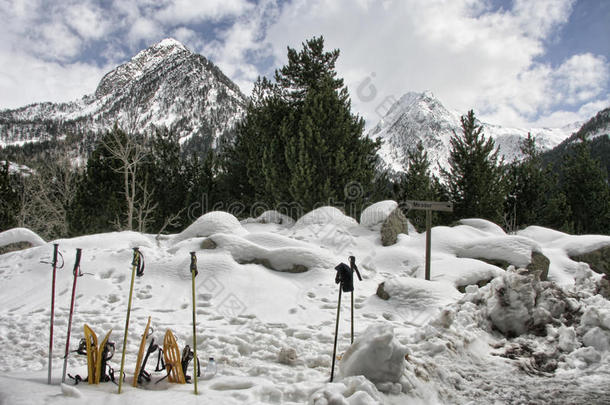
column 138, row 261
column 194, row 264
column 76, row 271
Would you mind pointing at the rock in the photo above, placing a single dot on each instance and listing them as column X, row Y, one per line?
column 297, row 268
column 539, row 266
column 381, row 292
column 208, row 244
column 14, row 247
column 395, row 223
column 598, row 260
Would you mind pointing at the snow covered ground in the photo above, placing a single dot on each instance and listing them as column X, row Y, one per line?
column 266, row 306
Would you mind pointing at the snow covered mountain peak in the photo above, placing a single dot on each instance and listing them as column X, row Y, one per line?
column 144, row 62
column 422, row 117
column 163, row 85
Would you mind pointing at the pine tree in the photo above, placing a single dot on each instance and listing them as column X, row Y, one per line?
column 417, row 184
column 534, row 197
column 587, row 190
column 299, row 141
column 476, row 176
column 98, row 205
column 9, row 198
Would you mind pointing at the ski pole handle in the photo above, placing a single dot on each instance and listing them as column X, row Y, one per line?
column 55, row 247
column 136, row 257
column 194, row 264
column 77, row 262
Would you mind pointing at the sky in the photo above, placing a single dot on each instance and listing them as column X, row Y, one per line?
column 521, row 63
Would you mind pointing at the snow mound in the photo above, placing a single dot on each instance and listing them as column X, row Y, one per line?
column 209, row 224
column 463, row 271
column 271, row 217
column 375, row 354
column 377, row 213
column 518, row 304
column 516, row 250
column 18, row 235
column 541, row 234
column 293, row 259
column 350, row 391
column 419, row 293
column 325, row 216
column 71, row 392
column 483, row 225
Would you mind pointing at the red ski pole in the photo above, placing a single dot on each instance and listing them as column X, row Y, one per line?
column 76, row 275
column 55, row 253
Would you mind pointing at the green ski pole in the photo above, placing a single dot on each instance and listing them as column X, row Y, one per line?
column 194, row 273
column 135, row 265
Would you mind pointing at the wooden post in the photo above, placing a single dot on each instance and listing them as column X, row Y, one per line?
column 429, row 206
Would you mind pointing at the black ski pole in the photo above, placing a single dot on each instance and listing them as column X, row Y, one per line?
column 332, row 370
column 76, row 275
column 194, row 273
column 54, row 264
column 353, row 267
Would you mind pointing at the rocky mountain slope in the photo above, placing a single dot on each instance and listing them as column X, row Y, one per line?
column 421, row 116
column 164, row 85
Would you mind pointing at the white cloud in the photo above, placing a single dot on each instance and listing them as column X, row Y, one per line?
column 144, row 29
column 188, row 11
column 25, row 80
column 89, row 21
column 467, row 54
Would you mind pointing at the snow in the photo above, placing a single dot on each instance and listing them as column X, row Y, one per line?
column 18, row 235
column 376, row 214
column 375, row 354
column 271, row 331
column 209, row 224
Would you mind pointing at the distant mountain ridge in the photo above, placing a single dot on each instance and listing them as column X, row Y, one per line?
column 164, row 85
column 422, row 117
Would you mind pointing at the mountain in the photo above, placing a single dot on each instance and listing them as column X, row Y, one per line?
column 422, row 117
column 597, row 131
column 164, row 85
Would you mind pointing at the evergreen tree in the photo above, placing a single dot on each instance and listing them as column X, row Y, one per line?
column 168, row 183
column 299, row 141
column 476, row 176
column 9, row 198
column 587, row 190
column 417, row 184
column 534, row 197
column 99, row 205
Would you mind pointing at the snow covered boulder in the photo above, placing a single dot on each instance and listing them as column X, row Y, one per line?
column 598, row 259
column 210, row 224
column 483, row 225
column 20, row 236
column 325, row 216
column 375, row 354
column 271, row 217
column 375, row 215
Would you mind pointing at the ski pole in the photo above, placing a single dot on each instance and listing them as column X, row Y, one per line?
column 194, row 273
column 353, row 267
column 77, row 274
column 332, row 370
column 54, row 264
column 135, row 265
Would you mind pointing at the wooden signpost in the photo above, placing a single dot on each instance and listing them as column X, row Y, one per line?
column 429, row 206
